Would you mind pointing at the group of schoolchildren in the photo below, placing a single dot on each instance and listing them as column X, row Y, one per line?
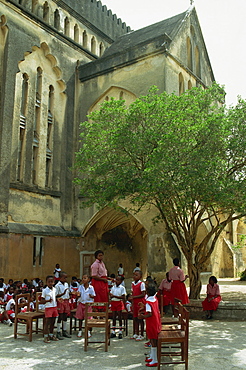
column 143, row 303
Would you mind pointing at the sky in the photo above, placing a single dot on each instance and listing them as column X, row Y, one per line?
column 223, row 24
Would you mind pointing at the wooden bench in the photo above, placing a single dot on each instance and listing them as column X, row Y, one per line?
column 173, row 340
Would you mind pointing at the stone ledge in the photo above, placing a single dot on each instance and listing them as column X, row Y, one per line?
column 234, row 310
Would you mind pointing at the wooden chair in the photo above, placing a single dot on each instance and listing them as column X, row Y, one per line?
column 173, row 336
column 96, row 319
column 73, row 320
column 26, row 317
column 124, row 320
column 172, row 320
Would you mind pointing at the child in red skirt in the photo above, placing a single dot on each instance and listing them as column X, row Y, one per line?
column 63, row 307
column 86, row 294
column 49, row 299
column 138, row 294
column 153, row 323
column 178, row 288
column 165, row 291
column 213, row 298
column 117, row 295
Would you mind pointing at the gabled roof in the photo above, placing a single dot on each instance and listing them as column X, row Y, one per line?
column 168, row 26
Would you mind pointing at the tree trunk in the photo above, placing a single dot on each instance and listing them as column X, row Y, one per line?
column 194, row 273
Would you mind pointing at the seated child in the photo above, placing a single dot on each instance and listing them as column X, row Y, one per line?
column 213, row 298
column 86, row 294
column 153, row 323
column 117, row 295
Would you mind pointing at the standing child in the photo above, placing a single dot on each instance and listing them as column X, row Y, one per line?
column 138, row 293
column 213, row 298
column 49, row 299
column 165, row 291
column 178, row 288
column 117, row 295
column 86, row 294
column 153, row 323
column 62, row 295
column 57, row 271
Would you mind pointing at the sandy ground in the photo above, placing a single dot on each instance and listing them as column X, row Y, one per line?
column 213, row 345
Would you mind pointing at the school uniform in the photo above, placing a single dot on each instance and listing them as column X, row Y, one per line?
column 101, row 288
column 117, row 303
column 137, row 289
column 165, row 287
column 212, row 291
column 178, row 288
column 63, row 303
column 50, row 307
column 83, row 299
column 153, row 323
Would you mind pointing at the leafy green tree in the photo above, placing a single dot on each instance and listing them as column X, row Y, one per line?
column 186, row 155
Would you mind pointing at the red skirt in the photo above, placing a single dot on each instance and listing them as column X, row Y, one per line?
column 101, row 290
column 178, row 290
column 80, row 312
column 212, row 305
column 117, row 306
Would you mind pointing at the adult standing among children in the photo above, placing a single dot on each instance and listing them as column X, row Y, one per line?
column 178, row 288
column 99, row 278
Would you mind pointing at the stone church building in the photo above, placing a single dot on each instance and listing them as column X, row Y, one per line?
column 59, row 60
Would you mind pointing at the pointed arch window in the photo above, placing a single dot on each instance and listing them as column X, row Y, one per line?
column 101, row 49
column 49, row 146
column 57, row 19
column 76, row 33
column 181, row 84
column 85, row 40
column 189, row 53
column 67, row 27
column 197, row 60
column 46, row 12
column 93, row 45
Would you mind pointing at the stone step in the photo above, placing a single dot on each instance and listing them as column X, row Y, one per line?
column 227, row 310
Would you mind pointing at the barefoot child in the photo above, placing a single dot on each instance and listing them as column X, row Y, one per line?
column 153, row 323
column 117, row 295
column 63, row 308
column 213, row 298
column 86, row 294
column 49, row 299
column 138, row 294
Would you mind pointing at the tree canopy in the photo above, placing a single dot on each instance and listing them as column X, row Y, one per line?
column 186, row 155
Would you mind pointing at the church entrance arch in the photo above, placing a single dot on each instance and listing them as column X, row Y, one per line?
column 122, row 238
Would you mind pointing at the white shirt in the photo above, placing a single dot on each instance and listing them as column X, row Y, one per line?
column 148, row 306
column 137, row 269
column 48, row 293
column 118, row 291
column 57, row 273
column 85, row 294
column 60, row 289
column 9, row 304
column 120, row 271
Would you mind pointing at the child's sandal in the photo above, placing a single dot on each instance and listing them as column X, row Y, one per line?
column 46, row 340
column 54, row 338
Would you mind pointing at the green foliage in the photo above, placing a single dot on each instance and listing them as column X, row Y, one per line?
column 185, row 154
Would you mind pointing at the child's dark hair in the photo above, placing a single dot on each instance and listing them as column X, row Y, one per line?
column 62, row 273
column 112, row 276
column 49, row 277
column 176, row 261
column 74, row 278
column 214, row 279
column 98, row 252
column 151, row 289
column 74, row 285
column 120, row 277
column 137, row 264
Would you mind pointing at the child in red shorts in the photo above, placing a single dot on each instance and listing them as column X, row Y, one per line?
column 153, row 323
column 117, row 295
column 63, row 307
column 138, row 294
column 49, row 299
